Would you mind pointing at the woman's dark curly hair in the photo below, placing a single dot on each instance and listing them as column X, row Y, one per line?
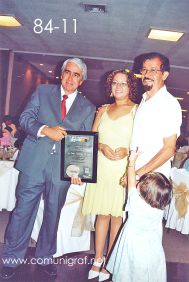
column 131, row 80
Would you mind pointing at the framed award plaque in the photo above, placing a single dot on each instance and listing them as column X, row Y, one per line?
column 79, row 151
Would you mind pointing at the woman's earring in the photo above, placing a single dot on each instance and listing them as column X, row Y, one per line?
column 111, row 95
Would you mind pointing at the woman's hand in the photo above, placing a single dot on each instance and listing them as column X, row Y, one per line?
column 14, row 129
column 107, row 152
column 123, row 181
column 121, row 153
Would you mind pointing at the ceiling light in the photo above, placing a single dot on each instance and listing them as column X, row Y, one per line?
column 138, row 75
column 167, row 35
column 180, row 98
column 41, row 64
column 94, row 8
column 9, row 21
column 50, row 71
column 184, row 110
column 187, row 93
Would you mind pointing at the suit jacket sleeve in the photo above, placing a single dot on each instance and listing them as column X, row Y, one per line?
column 29, row 117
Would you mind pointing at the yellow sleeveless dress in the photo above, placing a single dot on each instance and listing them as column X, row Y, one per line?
column 106, row 197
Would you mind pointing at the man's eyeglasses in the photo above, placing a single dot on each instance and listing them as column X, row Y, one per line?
column 144, row 71
column 122, row 84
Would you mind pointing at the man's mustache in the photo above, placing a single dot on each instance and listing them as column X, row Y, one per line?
column 147, row 78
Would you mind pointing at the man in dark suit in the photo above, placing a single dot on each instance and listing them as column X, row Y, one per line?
column 39, row 166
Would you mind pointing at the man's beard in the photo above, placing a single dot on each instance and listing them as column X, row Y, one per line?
column 147, row 87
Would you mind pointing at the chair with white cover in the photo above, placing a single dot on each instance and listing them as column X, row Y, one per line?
column 74, row 228
column 177, row 214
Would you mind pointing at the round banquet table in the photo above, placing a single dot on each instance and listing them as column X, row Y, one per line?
column 8, row 183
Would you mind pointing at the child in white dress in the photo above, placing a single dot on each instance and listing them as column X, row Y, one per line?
column 138, row 254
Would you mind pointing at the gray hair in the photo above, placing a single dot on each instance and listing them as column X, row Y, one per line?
column 80, row 63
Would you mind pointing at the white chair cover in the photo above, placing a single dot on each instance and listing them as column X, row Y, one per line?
column 72, row 235
column 180, row 178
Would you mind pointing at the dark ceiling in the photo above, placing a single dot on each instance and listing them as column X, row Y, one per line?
column 106, row 41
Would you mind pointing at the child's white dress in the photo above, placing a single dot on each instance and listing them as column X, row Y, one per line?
column 138, row 254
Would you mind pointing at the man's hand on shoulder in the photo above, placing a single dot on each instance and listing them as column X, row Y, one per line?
column 102, row 108
column 56, row 133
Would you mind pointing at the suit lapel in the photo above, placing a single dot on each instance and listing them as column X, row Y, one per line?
column 75, row 111
column 55, row 98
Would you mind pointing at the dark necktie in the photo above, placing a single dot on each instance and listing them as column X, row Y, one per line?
column 63, row 106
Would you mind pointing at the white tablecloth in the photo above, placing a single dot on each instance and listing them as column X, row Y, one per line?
column 8, row 182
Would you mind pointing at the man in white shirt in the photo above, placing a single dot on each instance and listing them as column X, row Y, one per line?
column 157, row 120
column 39, row 165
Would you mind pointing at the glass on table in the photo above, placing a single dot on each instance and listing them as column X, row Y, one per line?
column 6, row 152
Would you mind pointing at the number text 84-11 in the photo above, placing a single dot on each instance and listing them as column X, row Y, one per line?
column 40, row 27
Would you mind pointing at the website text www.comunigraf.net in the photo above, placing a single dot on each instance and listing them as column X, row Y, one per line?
column 70, row 261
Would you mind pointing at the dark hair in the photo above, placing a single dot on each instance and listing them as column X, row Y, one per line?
column 7, row 118
column 155, row 189
column 131, row 80
column 18, row 144
column 8, row 128
column 165, row 65
column 183, row 162
column 181, row 141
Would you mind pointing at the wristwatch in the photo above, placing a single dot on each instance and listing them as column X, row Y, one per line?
column 137, row 177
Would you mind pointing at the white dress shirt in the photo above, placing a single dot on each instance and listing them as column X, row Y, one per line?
column 69, row 102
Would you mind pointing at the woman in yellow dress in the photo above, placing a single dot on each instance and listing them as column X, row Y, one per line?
column 106, row 197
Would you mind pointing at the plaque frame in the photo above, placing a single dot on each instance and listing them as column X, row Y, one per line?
column 74, row 158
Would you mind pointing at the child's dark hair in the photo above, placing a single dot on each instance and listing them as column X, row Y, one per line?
column 155, row 189
column 8, row 128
